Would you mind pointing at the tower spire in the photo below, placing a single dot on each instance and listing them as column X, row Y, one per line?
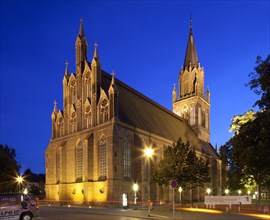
column 191, row 58
column 81, row 46
column 66, row 70
column 95, row 59
column 81, row 31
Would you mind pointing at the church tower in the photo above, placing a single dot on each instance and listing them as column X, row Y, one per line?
column 190, row 102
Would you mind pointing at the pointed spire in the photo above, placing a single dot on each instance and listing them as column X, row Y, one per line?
column 81, row 31
column 191, row 58
column 113, row 80
column 66, row 70
column 95, row 57
column 55, row 107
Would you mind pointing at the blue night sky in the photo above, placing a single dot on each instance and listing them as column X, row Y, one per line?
column 143, row 41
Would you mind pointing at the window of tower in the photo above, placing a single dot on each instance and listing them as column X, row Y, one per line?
column 185, row 112
column 103, row 159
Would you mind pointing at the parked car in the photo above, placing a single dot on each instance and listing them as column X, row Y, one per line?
column 18, row 206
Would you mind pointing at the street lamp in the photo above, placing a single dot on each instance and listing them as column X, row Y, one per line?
column 148, row 152
column 19, row 180
column 208, row 190
column 135, row 189
column 226, row 191
column 239, row 192
column 180, row 190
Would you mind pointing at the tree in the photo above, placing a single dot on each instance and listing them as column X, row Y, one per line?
column 181, row 164
column 251, row 151
column 9, row 169
column 260, row 82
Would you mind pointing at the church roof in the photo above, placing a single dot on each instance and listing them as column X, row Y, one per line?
column 137, row 110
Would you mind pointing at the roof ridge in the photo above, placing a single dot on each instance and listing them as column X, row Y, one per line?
column 136, row 92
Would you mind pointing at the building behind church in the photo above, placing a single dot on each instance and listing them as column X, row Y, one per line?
column 96, row 154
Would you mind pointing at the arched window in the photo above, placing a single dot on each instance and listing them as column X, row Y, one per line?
column 207, row 120
column 60, row 127
column 185, row 112
column 87, row 83
column 87, row 116
column 192, row 115
column 58, row 164
column 127, row 159
column 79, row 162
column 200, row 116
column 203, row 119
column 104, row 111
column 73, row 122
column 103, row 159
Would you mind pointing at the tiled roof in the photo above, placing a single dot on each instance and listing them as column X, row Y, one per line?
column 137, row 110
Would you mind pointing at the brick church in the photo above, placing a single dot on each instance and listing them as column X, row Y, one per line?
column 95, row 154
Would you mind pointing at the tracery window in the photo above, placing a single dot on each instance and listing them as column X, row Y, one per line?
column 73, row 122
column 87, row 116
column 60, row 127
column 185, row 112
column 192, row 115
column 79, row 162
column 103, row 159
column 104, row 111
column 127, row 159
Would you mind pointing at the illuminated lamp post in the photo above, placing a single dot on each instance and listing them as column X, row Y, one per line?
column 180, row 190
column 19, row 180
column 148, row 152
column 239, row 192
column 208, row 190
column 227, row 192
column 135, row 189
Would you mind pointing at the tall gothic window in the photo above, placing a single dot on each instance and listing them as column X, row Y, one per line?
column 104, row 111
column 79, row 162
column 58, row 164
column 200, row 116
column 73, row 90
column 203, row 119
column 87, row 83
column 60, row 127
column 127, row 159
column 87, row 115
column 192, row 115
column 185, row 112
column 103, row 159
column 73, row 122
column 207, row 120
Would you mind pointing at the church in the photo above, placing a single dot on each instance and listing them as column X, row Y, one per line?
column 96, row 151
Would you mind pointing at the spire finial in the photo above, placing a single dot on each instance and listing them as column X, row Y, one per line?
column 55, row 108
column 66, row 70
column 81, row 32
column 190, row 23
column 95, row 51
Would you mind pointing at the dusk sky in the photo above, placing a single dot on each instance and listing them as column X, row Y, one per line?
column 144, row 42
